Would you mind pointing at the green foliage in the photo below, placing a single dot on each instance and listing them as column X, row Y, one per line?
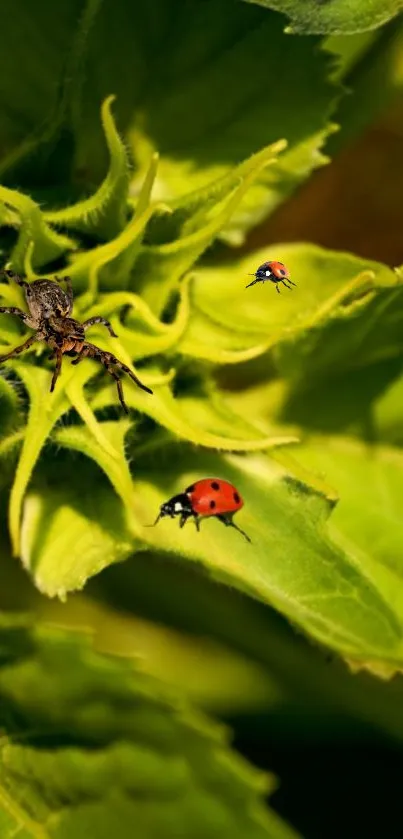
column 336, row 16
column 140, row 146
column 126, row 751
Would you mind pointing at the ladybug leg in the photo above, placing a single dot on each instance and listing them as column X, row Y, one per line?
column 197, row 523
column 185, row 515
column 290, row 281
column 227, row 520
column 277, row 289
column 286, row 285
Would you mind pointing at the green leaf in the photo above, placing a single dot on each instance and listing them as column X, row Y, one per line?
column 45, row 410
column 114, row 749
column 193, row 418
column 367, row 522
column 386, row 413
column 292, row 564
column 9, row 404
column 374, row 82
column 224, row 682
column 47, row 245
column 320, row 699
column 344, row 312
column 237, row 112
column 142, row 333
column 104, row 213
column 334, row 16
column 37, row 137
column 202, row 109
column 109, row 265
column 159, row 267
column 73, row 529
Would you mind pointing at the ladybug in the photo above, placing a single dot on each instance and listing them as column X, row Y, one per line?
column 275, row 272
column 208, row 497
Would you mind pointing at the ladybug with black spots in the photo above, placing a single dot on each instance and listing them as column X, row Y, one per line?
column 273, row 272
column 205, row 498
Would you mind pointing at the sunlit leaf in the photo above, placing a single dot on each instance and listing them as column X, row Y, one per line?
column 193, row 419
column 72, row 530
column 47, row 244
column 291, row 564
column 367, row 522
column 44, row 411
column 108, row 266
column 159, row 267
column 344, row 311
column 141, row 332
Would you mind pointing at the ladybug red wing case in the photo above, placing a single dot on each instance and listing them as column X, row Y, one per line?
column 213, row 496
column 273, row 272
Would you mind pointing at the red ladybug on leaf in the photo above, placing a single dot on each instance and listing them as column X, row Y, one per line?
column 208, row 497
column 273, row 272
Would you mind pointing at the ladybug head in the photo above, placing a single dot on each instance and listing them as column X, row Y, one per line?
column 176, row 506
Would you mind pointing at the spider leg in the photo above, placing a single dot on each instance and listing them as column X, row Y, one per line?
column 12, row 276
column 69, row 290
column 98, row 319
column 110, row 361
column 227, row 520
column 13, row 310
column 20, row 348
column 56, row 372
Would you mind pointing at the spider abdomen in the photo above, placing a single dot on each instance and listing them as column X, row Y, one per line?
column 46, row 299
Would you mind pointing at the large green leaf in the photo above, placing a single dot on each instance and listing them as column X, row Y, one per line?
column 367, row 522
column 200, row 106
column 90, row 747
column 334, row 16
column 104, row 213
column 343, row 313
column 292, row 564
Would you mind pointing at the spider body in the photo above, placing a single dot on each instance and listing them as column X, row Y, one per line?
column 49, row 310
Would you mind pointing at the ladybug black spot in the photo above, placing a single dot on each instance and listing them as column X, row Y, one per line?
column 215, row 485
column 190, row 489
column 212, row 505
column 236, row 498
column 282, row 272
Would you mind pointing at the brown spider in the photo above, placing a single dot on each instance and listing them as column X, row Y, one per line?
column 49, row 309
